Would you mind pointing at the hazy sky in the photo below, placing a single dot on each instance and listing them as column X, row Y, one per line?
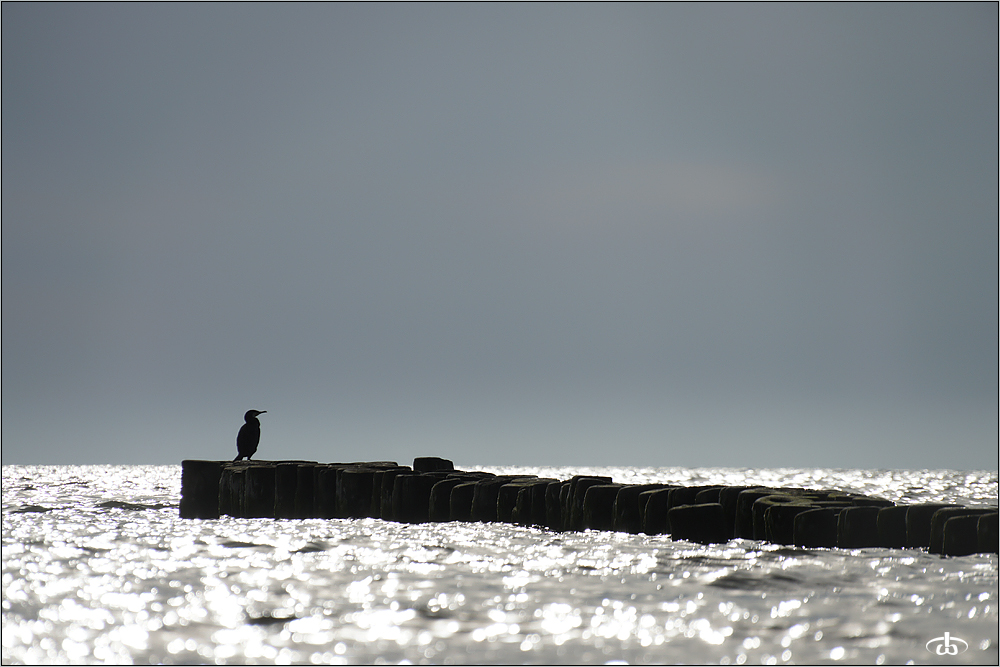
column 600, row 234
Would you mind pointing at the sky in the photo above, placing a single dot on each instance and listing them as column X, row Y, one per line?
column 709, row 235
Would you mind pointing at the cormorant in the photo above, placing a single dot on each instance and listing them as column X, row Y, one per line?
column 249, row 435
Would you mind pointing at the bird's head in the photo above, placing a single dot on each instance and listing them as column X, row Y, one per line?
column 252, row 414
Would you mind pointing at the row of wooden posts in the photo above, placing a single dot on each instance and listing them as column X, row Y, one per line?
column 432, row 490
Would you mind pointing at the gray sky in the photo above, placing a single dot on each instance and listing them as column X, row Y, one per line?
column 656, row 234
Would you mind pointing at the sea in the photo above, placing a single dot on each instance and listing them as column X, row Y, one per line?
column 99, row 568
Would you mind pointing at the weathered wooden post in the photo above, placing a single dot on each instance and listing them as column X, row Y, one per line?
column 460, row 501
column 378, row 482
column 760, row 508
column 387, row 490
column 946, row 514
column 539, row 510
column 553, row 509
column 324, row 501
column 304, row 491
column 960, row 536
column 355, row 486
column 431, row 464
column 891, row 523
column 654, row 511
column 685, row 495
column 857, row 527
column 987, row 533
column 628, row 517
column 728, row 497
column 580, row 484
column 286, row 476
column 599, row 506
column 439, row 506
column 484, row 499
column 708, row 494
column 258, row 491
column 507, row 497
column 744, row 509
column 200, row 489
column 703, row 523
column 780, row 520
column 918, row 523
column 816, row 528
column 414, row 495
column 231, row 489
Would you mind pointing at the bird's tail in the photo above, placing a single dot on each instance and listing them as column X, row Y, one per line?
column 239, row 457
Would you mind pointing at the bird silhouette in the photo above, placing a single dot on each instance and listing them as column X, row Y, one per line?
column 249, row 435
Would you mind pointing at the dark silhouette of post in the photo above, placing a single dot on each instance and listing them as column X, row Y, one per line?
column 249, row 435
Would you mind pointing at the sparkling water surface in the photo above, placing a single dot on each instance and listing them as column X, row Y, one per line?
column 98, row 567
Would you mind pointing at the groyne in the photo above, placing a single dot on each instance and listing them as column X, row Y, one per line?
column 433, row 490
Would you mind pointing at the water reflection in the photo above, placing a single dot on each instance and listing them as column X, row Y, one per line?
column 84, row 584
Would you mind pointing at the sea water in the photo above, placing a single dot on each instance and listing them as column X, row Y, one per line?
column 99, row 568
